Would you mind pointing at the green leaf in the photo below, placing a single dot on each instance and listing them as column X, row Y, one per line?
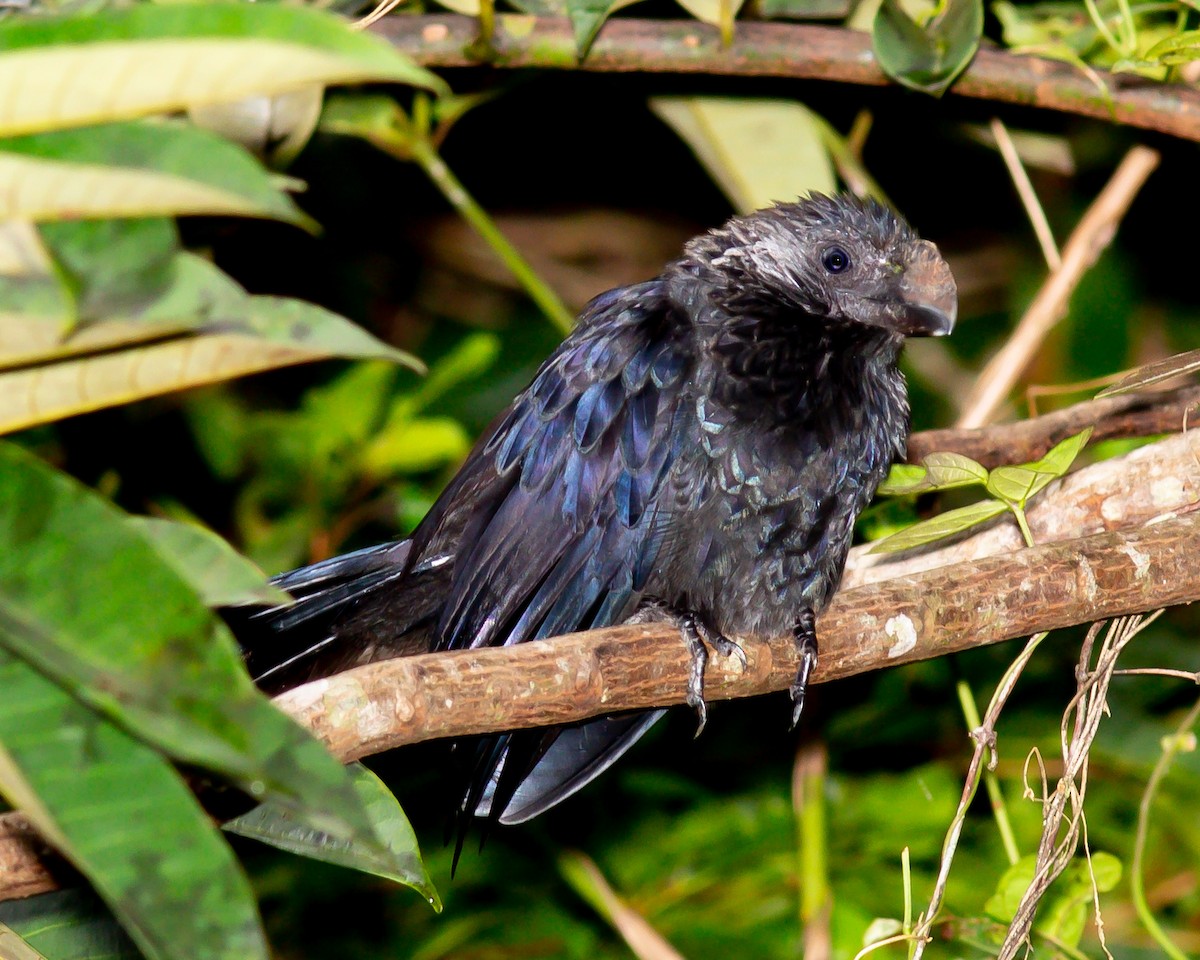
column 413, row 446
column 91, row 604
column 588, row 16
column 1175, row 50
column 757, row 151
column 1017, row 484
column 65, row 925
column 1106, row 870
column 401, row 861
column 256, row 333
column 902, row 479
column 938, row 528
column 305, row 326
column 375, row 117
column 1010, row 888
column 113, row 266
column 135, row 169
column 156, row 58
column 938, row 471
column 927, row 57
column 218, row 573
column 151, row 852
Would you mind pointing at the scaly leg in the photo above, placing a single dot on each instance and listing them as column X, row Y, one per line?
column 804, row 634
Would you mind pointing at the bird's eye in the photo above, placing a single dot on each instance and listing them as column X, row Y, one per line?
column 836, row 259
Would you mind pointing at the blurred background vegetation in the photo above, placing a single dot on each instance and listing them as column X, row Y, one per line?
column 590, row 179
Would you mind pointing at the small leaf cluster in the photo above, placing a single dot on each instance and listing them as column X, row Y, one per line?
column 1011, row 488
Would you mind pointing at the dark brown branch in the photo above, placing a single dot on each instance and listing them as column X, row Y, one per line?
column 787, row 50
column 1136, row 415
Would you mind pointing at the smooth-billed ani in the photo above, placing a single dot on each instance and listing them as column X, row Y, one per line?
column 697, row 449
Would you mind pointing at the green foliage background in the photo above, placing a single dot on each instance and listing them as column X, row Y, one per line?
column 594, row 189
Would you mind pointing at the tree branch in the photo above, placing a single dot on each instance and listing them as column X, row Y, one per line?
column 1141, row 554
column 786, row 50
column 1089, row 239
column 1126, row 415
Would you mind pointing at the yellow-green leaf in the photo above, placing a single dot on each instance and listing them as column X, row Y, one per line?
column 758, row 151
column 117, row 64
column 134, row 169
column 938, row 528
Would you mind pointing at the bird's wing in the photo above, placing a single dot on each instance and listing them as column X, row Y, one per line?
column 556, row 524
column 555, row 513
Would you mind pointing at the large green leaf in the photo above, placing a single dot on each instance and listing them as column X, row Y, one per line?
column 152, row 58
column 256, row 333
column 65, row 925
column 927, row 56
column 399, row 861
column 135, row 169
column 758, row 151
column 121, row 814
column 89, row 602
column 218, row 573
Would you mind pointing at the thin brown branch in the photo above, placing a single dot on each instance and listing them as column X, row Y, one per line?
column 1141, row 415
column 1089, row 239
column 787, row 50
column 1029, row 197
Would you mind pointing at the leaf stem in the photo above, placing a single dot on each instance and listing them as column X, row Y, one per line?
column 995, row 795
column 1172, row 745
column 424, row 154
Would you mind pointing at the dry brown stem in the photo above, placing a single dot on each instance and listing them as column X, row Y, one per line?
column 786, row 50
column 1094, row 232
column 1080, row 724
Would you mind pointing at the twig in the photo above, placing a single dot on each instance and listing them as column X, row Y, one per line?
column 1029, row 198
column 1171, row 747
column 808, row 807
column 990, row 781
column 777, row 49
column 985, row 743
column 1087, row 707
column 1143, row 415
column 643, row 940
column 1094, row 232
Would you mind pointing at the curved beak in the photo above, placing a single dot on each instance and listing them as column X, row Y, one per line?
column 928, row 296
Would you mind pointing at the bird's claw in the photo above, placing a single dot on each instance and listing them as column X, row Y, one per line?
column 728, row 648
column 698, row 652
column 805, row 636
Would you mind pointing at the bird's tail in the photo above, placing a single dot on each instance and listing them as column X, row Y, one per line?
column 288, row 644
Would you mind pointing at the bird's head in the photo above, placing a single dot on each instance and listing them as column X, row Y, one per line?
column 841, row 259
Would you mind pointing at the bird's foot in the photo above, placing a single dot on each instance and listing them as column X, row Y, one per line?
column 804, row 634
column 698, row 635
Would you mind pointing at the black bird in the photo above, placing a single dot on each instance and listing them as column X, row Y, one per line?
column 697, row 450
